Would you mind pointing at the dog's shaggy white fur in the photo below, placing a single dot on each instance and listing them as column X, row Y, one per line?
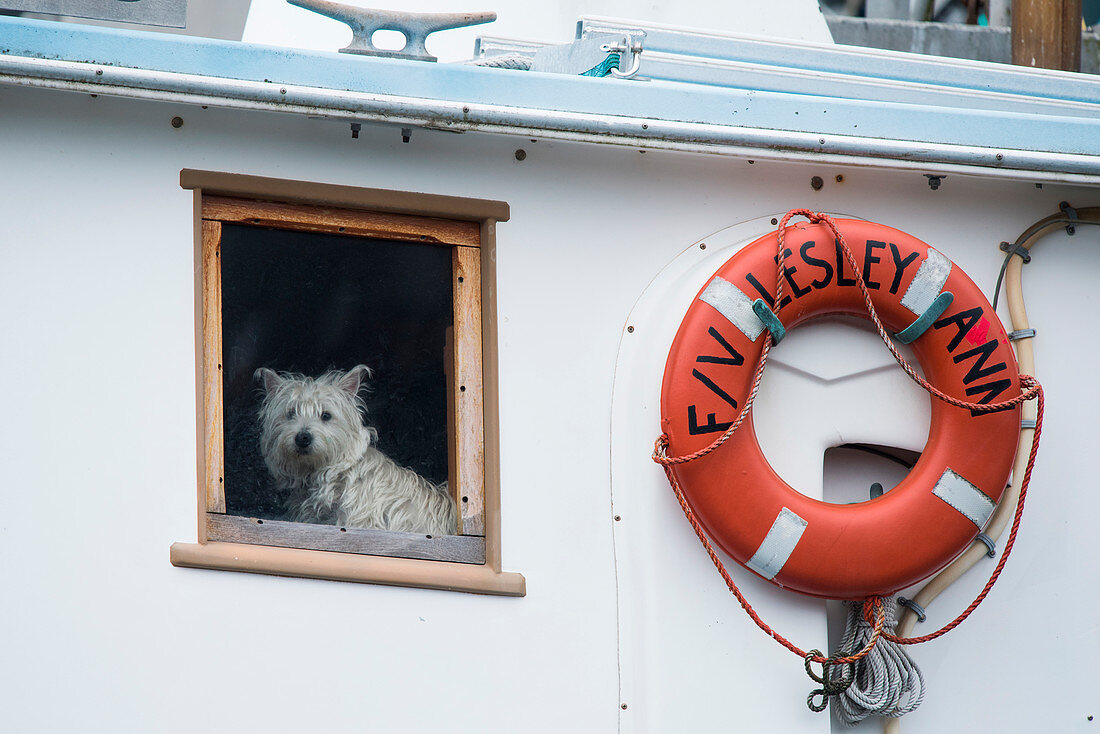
column 314, row 443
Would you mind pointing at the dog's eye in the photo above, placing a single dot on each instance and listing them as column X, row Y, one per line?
column 290, row 414
column 326, row 416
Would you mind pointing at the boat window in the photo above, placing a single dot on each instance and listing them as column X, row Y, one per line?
column 344, row 406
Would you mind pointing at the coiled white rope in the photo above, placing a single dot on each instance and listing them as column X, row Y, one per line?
column 887, row 681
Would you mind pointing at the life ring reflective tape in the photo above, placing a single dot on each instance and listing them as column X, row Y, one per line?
column 885, row 544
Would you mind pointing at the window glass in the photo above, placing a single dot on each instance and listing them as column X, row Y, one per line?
column 308, row 303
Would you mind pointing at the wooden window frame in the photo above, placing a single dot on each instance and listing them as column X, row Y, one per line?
column 469, row 561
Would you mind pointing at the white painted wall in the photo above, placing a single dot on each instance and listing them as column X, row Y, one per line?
column 96, row 292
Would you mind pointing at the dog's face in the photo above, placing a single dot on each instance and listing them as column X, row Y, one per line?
column 311, row 424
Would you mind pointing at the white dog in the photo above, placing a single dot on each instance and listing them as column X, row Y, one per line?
column 314, row 443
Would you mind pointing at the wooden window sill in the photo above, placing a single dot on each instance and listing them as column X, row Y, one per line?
column 336, row 566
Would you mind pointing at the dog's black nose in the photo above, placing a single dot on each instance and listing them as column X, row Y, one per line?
column 303, row 439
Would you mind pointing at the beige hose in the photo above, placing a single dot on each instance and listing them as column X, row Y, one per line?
column 1006, row 508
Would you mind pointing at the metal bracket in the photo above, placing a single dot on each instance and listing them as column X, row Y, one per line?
column 934, row 181
column 991, row 547
column 1069, row 211
column 1021, row 334
column 917, row 608
column 1016, row 250
column 416, row 27
column 632, row 46
column 593, row 55
column 1026, row 423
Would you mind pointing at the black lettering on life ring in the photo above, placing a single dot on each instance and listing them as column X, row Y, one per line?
column 978, row 370
column 900, row 264
column 840, row 261
column 825, row 265
column 869, row 257
column 734, row 359
column 963, row 321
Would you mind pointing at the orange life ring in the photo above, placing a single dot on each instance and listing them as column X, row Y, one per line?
column 885, row 544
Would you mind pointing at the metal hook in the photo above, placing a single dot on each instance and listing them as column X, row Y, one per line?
column 630, row 45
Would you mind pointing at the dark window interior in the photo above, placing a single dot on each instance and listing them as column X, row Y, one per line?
column 308, row 303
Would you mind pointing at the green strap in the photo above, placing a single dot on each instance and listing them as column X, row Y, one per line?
column 771, row 321
column 910, row 333
column 604, row 67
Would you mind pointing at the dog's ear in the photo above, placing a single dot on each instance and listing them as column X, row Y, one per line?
column 268, row 378
column 353, row 380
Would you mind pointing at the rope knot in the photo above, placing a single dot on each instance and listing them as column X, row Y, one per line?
column 831, row 684
column 812, row 216
column 660, row 449
column 872, row 608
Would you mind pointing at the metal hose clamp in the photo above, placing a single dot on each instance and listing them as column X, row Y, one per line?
column 917, row 608
column 1071, row 214
column 1016, row 249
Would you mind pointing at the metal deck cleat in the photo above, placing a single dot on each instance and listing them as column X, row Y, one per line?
column 414, row 26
